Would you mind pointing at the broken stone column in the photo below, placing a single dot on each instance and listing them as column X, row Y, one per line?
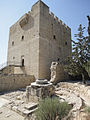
column 42, row 88
column 57, row 72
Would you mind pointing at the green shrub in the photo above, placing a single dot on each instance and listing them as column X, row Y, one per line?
column 87, row 109
column 50, row 109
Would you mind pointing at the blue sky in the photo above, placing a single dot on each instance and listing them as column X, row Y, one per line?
column 71, row 12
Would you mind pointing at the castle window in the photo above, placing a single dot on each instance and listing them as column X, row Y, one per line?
column 65, row 43
column 54, row 37
column 12, row 43
column 22, row 37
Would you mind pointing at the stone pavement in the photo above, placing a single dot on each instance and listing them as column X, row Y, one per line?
column 3, row 101
column 7, row 114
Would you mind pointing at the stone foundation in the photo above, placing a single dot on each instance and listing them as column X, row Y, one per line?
column 39, row 89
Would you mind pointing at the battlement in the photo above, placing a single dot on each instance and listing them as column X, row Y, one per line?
column 58, row 20
column 24, row 19
column 50, row 13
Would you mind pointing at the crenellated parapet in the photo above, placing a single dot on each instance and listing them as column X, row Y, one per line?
column 58, row 20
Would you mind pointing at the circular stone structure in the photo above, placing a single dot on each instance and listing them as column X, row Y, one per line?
column 42, row 88
column 41, row 81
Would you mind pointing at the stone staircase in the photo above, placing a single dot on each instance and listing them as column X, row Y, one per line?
column 25, row 110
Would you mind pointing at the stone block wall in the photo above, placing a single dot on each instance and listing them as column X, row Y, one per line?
column 8, row 70
column 11, row 69
column 13, row 82
column 39, row 38
column 54, row 41
column 24, row 41
column 19, row 70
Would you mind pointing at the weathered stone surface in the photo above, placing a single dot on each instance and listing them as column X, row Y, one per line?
column 28, row 112
column 78, row 89
column 57, row 73
column 24, row 20
column 3, row 102
column 44, row 39
column 14, row 108
column 8, row 114
column 71, row 98
column 39, row 89
column 31, row 106
column 76, row 94
column 42, row 81
column 73, row 93
column 15, row 81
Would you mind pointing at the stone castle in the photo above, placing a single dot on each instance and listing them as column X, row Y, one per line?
column 36, row 40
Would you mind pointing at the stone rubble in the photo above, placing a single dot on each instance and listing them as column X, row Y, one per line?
column 80, row 90
column 71, row 98
column 74, row 93
column 57, row 72
column 42, row 88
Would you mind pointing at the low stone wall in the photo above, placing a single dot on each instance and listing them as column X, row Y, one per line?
column 8, row 70
column 13, row 82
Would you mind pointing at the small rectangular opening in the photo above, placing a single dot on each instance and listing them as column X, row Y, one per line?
column 54, row 37
column 12, row 43
column 22, row 37
column 65, row 43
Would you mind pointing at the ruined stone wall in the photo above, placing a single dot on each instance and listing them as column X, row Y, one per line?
column 55, row 41
column 57, row 73
column 13, row 82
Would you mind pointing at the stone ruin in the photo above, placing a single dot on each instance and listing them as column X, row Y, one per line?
column 57, row 73
column 42, row 88
column 35, row 36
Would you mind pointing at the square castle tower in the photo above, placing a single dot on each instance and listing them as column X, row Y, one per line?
column 36, row 40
